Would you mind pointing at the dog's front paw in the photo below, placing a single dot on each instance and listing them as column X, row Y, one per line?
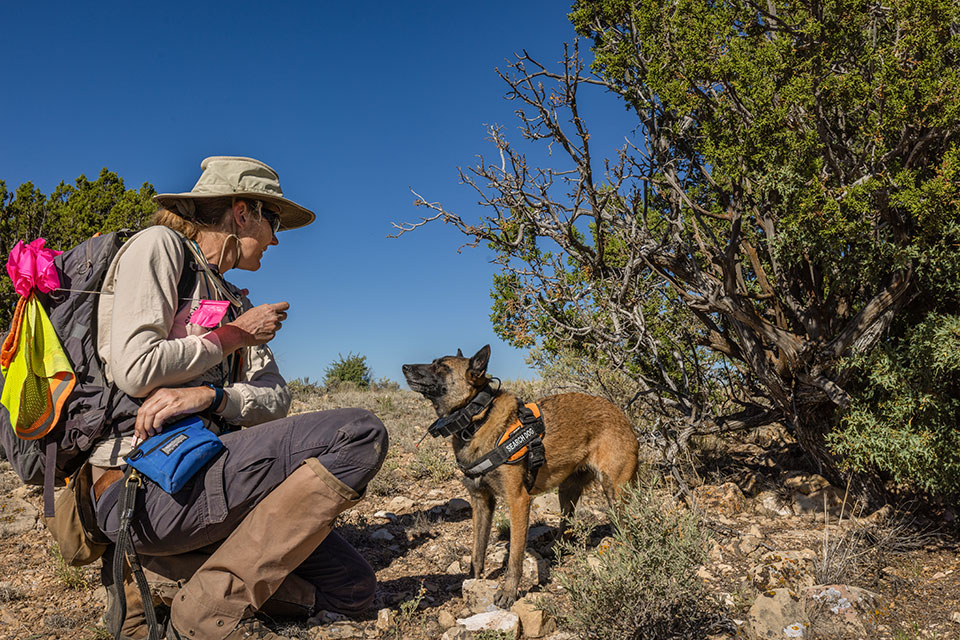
column 505, row 598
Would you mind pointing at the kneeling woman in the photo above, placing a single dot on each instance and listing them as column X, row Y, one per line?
column 254, row 528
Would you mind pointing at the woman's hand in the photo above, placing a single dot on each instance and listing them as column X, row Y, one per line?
column 258, row 325
column 164, row 404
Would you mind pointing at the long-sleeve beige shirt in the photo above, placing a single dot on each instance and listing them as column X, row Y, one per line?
column 145, row 339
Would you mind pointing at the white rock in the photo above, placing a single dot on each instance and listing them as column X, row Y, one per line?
column 386, row 515
column 498, row 620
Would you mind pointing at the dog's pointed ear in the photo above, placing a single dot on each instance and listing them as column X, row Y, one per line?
column 459, row 353
column 478, row 363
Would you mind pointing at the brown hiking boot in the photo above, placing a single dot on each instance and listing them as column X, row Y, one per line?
column 244, row 573
column 246, row 629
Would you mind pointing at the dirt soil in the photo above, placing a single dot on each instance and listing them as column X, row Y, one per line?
column 415, row 530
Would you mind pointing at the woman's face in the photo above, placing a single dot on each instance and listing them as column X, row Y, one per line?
column 256, row 233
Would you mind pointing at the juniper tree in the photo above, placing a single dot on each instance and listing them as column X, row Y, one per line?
column 784, row 219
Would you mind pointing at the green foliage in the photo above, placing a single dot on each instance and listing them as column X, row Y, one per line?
column 351, row 369
column 904, row 423
column 641, row 582
column 71, row 577
column 303, row 388
column 786, row 228
column 66, row 217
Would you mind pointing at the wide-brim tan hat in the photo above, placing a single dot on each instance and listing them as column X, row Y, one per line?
column 240, row 177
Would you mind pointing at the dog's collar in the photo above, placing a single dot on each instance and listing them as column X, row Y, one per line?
column 461, row 422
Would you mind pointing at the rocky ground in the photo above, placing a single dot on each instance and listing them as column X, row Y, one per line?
column 788, row 556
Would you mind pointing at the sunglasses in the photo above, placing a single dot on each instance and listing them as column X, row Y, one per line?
column 273, row 219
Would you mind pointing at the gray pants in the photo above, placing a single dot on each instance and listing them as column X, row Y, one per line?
column 350, row 443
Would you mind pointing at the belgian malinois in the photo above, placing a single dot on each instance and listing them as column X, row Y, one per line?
column 585, row 438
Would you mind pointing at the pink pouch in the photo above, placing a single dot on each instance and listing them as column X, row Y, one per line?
column 209, row 313
column 30, row 266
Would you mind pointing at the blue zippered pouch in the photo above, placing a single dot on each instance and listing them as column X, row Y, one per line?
column 173, row 456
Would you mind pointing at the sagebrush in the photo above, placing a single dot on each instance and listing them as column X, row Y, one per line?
column 641, row 582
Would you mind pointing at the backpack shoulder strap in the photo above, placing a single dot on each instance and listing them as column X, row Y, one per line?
column 188, row 275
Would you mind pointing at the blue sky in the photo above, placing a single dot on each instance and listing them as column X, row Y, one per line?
column 353, row 103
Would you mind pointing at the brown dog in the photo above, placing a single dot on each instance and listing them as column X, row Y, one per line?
column 585, row 438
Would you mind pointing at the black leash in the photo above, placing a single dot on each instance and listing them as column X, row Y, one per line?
column 132, row 481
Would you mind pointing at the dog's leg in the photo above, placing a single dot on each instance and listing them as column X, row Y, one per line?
column 615, row 479
column 569, row 493
column 519, row 502
column 483, row 501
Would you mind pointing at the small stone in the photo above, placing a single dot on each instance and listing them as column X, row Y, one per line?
column 793, row 569
column 806, row 484
column 457, row 507
column 455, row 633
column 386, row 515
column 773, row 611
column 386, row 619
column 535, row 568
column 453, row 569
column 497, row 558
column 381, row 535
column 814, row 503
column 769, row 503
column 340, row 631
column 400, row 504
column 547, row 504
column 478, row 595
column 446, row 619
column 955, row 617
column 533, row 621
column 726, row 498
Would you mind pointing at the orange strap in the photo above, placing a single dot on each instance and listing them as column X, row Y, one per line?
column 12, row 341
column 516, row 425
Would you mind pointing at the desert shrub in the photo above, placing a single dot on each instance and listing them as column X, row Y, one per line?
column 71, row 577
column 351, row 369
column 903, row 423
column 385, row 384
column 643, row 584
column 431, row 462
column 303, row 389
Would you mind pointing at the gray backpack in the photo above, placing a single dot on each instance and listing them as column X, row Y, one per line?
column 94, row 409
